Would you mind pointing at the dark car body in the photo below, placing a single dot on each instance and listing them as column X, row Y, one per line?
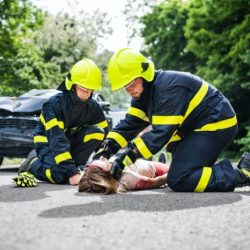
column 20, row 115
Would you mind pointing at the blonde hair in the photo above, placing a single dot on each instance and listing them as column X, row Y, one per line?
column 96, row 180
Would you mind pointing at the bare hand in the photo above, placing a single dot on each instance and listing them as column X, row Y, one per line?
column 74, row 180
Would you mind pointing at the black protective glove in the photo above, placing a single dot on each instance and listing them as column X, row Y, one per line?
column 108, row 148
column 125, row 159
column 25, row 179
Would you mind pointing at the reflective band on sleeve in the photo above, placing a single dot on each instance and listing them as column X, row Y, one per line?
column 118, row 138
column 40, row 138
column 166, row 120
column 42, row 120
column 227, row 123
column 60, row 124
column 62, row 157
column 127, row 161
column 143, row 149
column 48, row 175
column 94, row 136
column 138, row 113
column 52, row 123
column 204, row 180
column 102, row 124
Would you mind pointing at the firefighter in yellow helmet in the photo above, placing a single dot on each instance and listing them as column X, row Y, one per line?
column 189, row 117
column 72, row 125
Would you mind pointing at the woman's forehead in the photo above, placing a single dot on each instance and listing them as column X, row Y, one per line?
column 96, row 162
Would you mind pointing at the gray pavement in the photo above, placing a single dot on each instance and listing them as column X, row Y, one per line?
column 58, row 217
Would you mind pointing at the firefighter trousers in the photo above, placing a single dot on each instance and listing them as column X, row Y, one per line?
column 45, row 167
column 194, row 168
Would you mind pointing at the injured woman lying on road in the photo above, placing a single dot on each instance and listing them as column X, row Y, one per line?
column 139, row 176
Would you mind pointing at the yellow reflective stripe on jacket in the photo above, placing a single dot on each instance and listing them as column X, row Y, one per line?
column 127, row 161
column 166, row 119
column 93, row 136
column 40, row 138
column 143, row 149
column 179, row 119
column 50, row 124
column 223, row 124
column 60, row 124
column 48, row 175
column 138, row 113
column 197, row 99
column 118, row 138
column 42, row 120
column 173, row 138
column 204, row 180
column 62, row 157
column 102, row 124
column 54, row 122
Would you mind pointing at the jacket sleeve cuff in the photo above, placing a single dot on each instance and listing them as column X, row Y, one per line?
column 72, row 171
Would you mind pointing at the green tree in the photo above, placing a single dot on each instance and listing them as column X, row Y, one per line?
column 218, row 33
column 18, row 62
column 65, row 39
column 245, row 141
column 41, row 47
column 164, row 36
column 133, row 11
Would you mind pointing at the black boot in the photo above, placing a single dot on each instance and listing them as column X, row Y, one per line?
column 163, row 157
column 244, row 162
column 25, row 165
column 243, row 171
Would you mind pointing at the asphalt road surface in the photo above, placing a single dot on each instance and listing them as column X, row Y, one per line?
column 58, row 217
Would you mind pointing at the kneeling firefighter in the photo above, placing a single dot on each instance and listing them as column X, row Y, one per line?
column 72, row 125
column 190, row 118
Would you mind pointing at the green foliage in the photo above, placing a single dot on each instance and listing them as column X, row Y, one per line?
column 218, row 33
column 18, row 62
column 245, row 141
column 164, row 36
column 64, row 40
column 37, row 49
column 24, row 71
column 17, row 19
column 133, row 11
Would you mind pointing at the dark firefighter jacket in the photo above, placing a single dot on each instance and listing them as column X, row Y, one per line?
column 62, row 113
column 174, row 103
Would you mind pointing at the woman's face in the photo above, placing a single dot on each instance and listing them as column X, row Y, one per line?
column 102, row 163
column 83, row 93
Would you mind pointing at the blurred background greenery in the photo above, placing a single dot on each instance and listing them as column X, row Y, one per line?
column 210, row 38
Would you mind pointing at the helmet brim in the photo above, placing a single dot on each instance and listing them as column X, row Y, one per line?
column 120, row 83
